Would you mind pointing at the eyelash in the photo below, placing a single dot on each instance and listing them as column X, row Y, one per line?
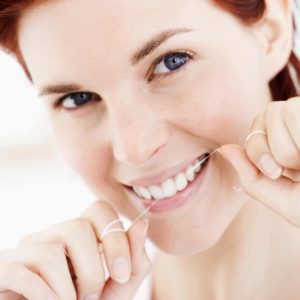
column 161, row 58
column 149, row 75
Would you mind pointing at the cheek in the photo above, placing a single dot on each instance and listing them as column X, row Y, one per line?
column 217, row 107
column 89, row 156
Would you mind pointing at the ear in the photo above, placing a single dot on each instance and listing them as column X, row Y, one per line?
column 275, row 34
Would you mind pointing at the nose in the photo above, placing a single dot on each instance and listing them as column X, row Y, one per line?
column 137, row 134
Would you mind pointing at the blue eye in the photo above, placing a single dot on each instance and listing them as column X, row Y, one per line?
column 171, row 63
column 74, row 100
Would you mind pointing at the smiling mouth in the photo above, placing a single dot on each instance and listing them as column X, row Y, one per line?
column 173, row 185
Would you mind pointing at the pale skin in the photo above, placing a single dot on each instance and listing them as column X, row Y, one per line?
column 226, row 244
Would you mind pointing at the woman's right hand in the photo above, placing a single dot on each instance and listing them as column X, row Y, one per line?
column 64, row 262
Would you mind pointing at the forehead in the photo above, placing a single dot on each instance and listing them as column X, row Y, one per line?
column 84, row 31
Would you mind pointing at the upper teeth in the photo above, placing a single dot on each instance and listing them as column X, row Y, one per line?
column 172, row 185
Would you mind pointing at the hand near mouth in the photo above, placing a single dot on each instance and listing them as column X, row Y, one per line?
column 67, row 260
column 269, row 164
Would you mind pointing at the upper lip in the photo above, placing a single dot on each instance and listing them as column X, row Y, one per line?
column 162, row 176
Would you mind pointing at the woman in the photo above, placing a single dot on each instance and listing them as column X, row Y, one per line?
column 138, row 93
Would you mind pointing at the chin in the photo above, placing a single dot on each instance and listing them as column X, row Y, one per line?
column 194, row 239
column 186, row 244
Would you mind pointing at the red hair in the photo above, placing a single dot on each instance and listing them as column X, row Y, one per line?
column 283, row 86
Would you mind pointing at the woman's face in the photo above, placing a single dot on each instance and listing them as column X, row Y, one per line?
column 142, row 114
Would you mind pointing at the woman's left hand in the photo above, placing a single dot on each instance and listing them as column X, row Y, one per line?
column 269, row 164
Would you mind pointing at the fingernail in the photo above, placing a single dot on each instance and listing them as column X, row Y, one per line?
column 121, row 269
column 94, row 296
column 146, row 224
column 269, row 166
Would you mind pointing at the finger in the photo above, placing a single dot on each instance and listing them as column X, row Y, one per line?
column 80, row 242
column 137, row 234
column 290, row 115
column 115, row 244
column 281, row 143
column 258, row 151
column 17, row 278
column 294, row 175
column 281, row 195
column 8, row 295
column 141, row 266
column 50, row 262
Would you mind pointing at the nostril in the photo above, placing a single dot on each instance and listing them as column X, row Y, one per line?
column 140, row 158
column 139, row 147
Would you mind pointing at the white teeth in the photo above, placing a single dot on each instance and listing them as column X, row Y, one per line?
column 156, row 192
column 145, row 193
column 136, row 189
column 190, row 173
column 197, row 166
column 169, row 188
column 181, row 182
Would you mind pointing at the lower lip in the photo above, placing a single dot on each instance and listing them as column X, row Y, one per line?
column 178, row 199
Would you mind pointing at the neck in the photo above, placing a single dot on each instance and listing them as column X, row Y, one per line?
column 252, row 251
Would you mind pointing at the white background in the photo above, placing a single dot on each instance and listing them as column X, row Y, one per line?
column 37, row 188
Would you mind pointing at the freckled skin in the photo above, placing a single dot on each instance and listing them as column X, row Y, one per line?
column 143, row 127
column 211, row 101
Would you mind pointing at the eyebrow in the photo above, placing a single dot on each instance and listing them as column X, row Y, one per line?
column 59, row 89
column 157, row 40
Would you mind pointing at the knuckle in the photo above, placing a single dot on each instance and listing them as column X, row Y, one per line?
column 48, row 253
column 100, row 206
column 78, row 226
column 286, row 156
column 26, row 240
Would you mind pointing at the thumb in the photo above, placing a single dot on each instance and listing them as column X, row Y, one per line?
column 278, row 195
column 237, row 157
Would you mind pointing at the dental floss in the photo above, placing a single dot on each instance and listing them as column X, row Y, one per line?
column 106, row 229
column 155, row 201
